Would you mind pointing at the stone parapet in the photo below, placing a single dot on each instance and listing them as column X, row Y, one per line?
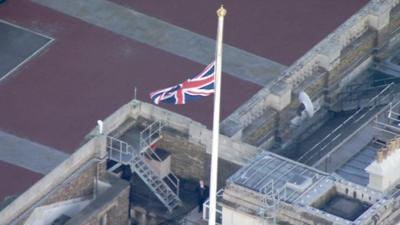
column 44, row 188
column 372, row 21
column 326, row 54
column 198, row 134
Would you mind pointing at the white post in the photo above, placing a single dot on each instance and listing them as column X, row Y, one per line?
column 100, row 126
column 135, row 93
column 215, row 139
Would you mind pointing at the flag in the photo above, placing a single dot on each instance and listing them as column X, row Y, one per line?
column 199, row 86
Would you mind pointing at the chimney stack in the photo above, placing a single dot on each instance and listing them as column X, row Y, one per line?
column 397, row 143
column 383, row 172
column 380, row 156
column 391, row 146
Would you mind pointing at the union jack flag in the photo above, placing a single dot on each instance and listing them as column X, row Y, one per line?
column 191, row 89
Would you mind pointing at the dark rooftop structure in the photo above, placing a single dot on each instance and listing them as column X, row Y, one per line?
column 344, row 207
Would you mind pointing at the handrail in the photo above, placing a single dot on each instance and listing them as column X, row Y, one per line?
column 146, row 135
column 340, row 126
column 175, row 183
column 118, row 149
column 126, row 148
column 206, row 204
column 146, row 140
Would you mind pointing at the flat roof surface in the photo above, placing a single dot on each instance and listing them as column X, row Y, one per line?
column 17, row 45
column 354, row 169
column 280, row 30
column 268, row 170
column 15, row 180
column 367, row 141
column 86, row 74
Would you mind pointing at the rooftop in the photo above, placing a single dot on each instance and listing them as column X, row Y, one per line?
column 15, row 180
column 71, row 73
column 271, row 171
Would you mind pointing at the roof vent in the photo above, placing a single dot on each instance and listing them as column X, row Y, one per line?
column 63, row 219
column 299, row 183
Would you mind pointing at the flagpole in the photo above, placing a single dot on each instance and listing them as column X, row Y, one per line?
column 215, row 139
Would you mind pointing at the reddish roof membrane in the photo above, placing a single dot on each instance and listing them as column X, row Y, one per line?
column 15, row 180
column 86, row 74
column 280, row 30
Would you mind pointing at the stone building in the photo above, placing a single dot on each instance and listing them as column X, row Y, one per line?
column 272, row 117
column 341, row 75
column 262, row 187
column 78, row 191
column 87, row 187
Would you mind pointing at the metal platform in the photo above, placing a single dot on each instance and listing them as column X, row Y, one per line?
column 123, row 153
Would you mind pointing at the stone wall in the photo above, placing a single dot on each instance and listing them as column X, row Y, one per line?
column 45, row 190
column 119, row 213
column 337, row 56
column 262, row 129
column 196, row 134
column 225, row 170
column 191, row 161
column 187, row 159
column 80, row 185
column 245, row 205
column 315, row 86
column 114, row 213
column 357, row 51
column 110, row 206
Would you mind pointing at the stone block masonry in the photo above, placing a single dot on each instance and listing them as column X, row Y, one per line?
column 192, row 161
column 197, row 134
column 72, row 178
column 110, row 207
column 322, row 71
column 358, row 49
column 81, row 185
column 187, row 159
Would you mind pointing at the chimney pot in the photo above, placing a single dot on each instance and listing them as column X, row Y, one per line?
column 380, row 156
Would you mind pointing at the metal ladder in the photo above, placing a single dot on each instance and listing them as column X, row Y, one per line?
column 125, row 154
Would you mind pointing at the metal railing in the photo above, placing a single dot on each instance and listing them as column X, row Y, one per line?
column 206, row 208
column 390, row 122
column 123, row 153
column 149, row 136
column 119, row 150
column 317, row 149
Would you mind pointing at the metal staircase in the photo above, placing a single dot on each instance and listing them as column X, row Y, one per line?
column 167, row 189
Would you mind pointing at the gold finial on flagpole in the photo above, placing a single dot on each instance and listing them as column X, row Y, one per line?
column 221, row 12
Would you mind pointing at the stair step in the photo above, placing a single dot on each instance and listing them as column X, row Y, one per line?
column 152, row 180
column 114, row 167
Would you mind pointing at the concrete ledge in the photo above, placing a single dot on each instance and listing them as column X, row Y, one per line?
column 103, row 202
column 49, row 182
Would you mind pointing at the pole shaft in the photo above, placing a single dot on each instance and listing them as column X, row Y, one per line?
column 215, row 139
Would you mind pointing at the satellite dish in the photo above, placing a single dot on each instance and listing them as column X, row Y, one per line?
column 308, row 105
